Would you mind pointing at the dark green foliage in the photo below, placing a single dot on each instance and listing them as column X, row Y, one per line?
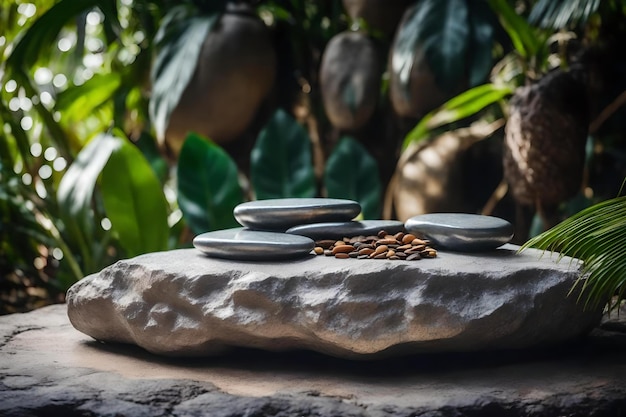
column 208, row 188
column 352, row 173
column 134, row 201
column 281, row 161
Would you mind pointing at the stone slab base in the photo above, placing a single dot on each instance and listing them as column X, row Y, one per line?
column 48, row 368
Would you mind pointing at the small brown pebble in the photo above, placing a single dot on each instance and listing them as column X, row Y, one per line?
column 342, row 249
column 339, row 243
column 371, row 239
column 417, row 241
column 394, row 258
column 382, row 234
column 318, row 250
column 414, row 257
column 356, row 239
column 399, row 236
column 326, row 243
column 366, row 245
column 408, row 238
column 366, row 251
column 380, row 256
column 342, row 255
column 381, row 249
column 387, row 241
column 404, row 247
column 401, row 255
column 390, row 253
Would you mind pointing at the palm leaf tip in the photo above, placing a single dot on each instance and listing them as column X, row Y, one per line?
column 596, row 236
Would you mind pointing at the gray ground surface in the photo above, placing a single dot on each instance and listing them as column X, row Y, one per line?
column 47, row 368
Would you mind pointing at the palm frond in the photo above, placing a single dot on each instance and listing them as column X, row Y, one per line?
column 597, row 236
column 562, row 14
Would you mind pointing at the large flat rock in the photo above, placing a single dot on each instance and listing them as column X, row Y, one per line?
column 47, row 368
column 182, row 303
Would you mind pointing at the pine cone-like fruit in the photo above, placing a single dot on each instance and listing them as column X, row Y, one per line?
column 544, row 152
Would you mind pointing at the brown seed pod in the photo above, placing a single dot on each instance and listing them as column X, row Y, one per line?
column 234, row 73
column 350, row 79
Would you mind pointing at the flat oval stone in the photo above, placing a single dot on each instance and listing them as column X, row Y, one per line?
column 252, row 245
column 338, row 230
column 282, row 213
column 462, row 231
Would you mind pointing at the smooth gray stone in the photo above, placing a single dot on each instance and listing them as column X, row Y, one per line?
column 252, row 245
column 181, row 303
column 462, row 231
column 338, row 230
column 282, row 213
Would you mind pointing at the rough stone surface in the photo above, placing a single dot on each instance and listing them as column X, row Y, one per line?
column 47, row 368
column 182, row 303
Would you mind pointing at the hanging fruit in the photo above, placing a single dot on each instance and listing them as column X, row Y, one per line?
column 350, row 75
column 546, row 132
column 233, row 74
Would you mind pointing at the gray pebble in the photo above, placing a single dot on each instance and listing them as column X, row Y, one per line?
column 283, row 213
column 338, row 230
column 461, row 231
column 252, row 245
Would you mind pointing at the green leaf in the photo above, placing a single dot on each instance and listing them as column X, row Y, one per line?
column 77, row 102
column 481, row 42
column 440, row 29
column 559, row 15
column 75, row 192
column 134, row 200
column 524, row 39
column 41, row 36
column 457, row 108
column 179, row 42
column 596, row 235
column 352, row 173
column 208, row 186
column 281, row 162
column 148, row 147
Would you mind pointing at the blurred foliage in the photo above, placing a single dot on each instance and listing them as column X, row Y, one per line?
column 83, row 182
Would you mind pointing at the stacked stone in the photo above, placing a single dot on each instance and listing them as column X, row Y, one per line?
column 290, row 228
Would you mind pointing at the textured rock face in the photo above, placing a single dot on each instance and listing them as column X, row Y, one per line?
column 182, row 303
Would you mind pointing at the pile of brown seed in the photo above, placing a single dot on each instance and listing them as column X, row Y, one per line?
column 383, row 246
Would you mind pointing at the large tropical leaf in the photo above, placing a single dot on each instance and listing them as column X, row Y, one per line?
column 561, row 14
column 78, row 102
column 439, row 28
column 457, row 108
column 75, row 192
column 281, row 160
column 179, row 42
column 482, row 33
column 134, row 200
column 41, row 37
column 352, row 173
column 595, row 235
column 208, row 186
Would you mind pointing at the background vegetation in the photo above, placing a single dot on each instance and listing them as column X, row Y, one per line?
column 399, row 105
